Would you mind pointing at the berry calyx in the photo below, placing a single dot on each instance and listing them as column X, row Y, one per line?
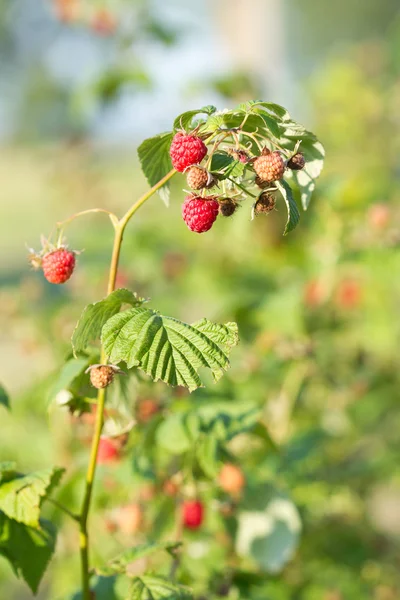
column 192, row 514
column 58, row 265
column 265, row 203
column 186, row 150
column 297, row 162
column 269, row 166
column 199, row 178
column 227, row 206
column 231, row 479
column 199, row 213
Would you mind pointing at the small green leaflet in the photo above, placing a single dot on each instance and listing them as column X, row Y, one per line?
column 156, row 588
column 184, row 121
column 70, row 371
column 4, row 399
column 226, row 166
column 21, row 497
column 122, row 562
column 293, row 211
column 95, row 315
column 156, row 162
column 166, row 348
column 29, row 550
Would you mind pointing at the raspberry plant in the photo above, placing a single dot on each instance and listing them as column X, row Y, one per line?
column 252, row 158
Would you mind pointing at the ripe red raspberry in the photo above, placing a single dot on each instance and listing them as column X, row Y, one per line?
column 186, row 150
column 297, row 162
column 269, row 166
column 192, row 514
column 199, row 213
column 58, row 265
column 108, row 451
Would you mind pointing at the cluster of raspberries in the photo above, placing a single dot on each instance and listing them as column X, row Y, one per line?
column 199, row 213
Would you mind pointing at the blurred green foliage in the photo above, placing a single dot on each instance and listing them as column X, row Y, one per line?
column 317, row 364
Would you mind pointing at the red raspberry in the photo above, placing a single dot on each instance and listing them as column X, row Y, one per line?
column 186, row 150
column 199, row 213
column 58, row 265
column 192, row 514
column 108, row 451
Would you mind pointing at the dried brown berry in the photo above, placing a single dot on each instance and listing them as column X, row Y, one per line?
column 227, row 206
column 297, row 162
column 101, row 375
column 265, row 203
column 261, row 184
column 269, row 167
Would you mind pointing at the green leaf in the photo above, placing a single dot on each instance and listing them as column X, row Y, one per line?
column 293, row 211
column 206, row 453
column 70, row 371
column 270, row 536
column 151, row 586
column 7, row 471
column 167, row 349
column 95, row 315
column 4, row 398
column 155, row 161
column 226, row 166
column 271, row 107
column 184, row 121
column 21, row 498
column 122, row 562
column 173, row 436
column 28, row 550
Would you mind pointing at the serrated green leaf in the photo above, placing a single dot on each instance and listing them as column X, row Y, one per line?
column 136, row 590
column 167, row 349
column 28, row 549
column 95, row 315
column 155, row 160
column 272, row 107
column 22, row 497
column 184, row 120
column 4, row 398
column 293, row 211
column 121, row 562
column 157, row 588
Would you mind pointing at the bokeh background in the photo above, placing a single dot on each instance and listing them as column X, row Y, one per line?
column 82, row 83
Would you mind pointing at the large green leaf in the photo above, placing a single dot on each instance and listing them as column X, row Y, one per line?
column 95, row 315
column 155, row 160
column 4, row 399
column 184, row 121
column 28, row 549
column 155, row 588
column 21, row 498
column 293, row 211
column 122, row 562
column 168, row 349
column 8, row 471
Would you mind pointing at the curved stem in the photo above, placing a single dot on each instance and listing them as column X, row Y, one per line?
column 87, row 212
column 101, row 396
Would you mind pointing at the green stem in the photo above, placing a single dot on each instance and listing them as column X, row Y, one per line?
column 119, row 227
